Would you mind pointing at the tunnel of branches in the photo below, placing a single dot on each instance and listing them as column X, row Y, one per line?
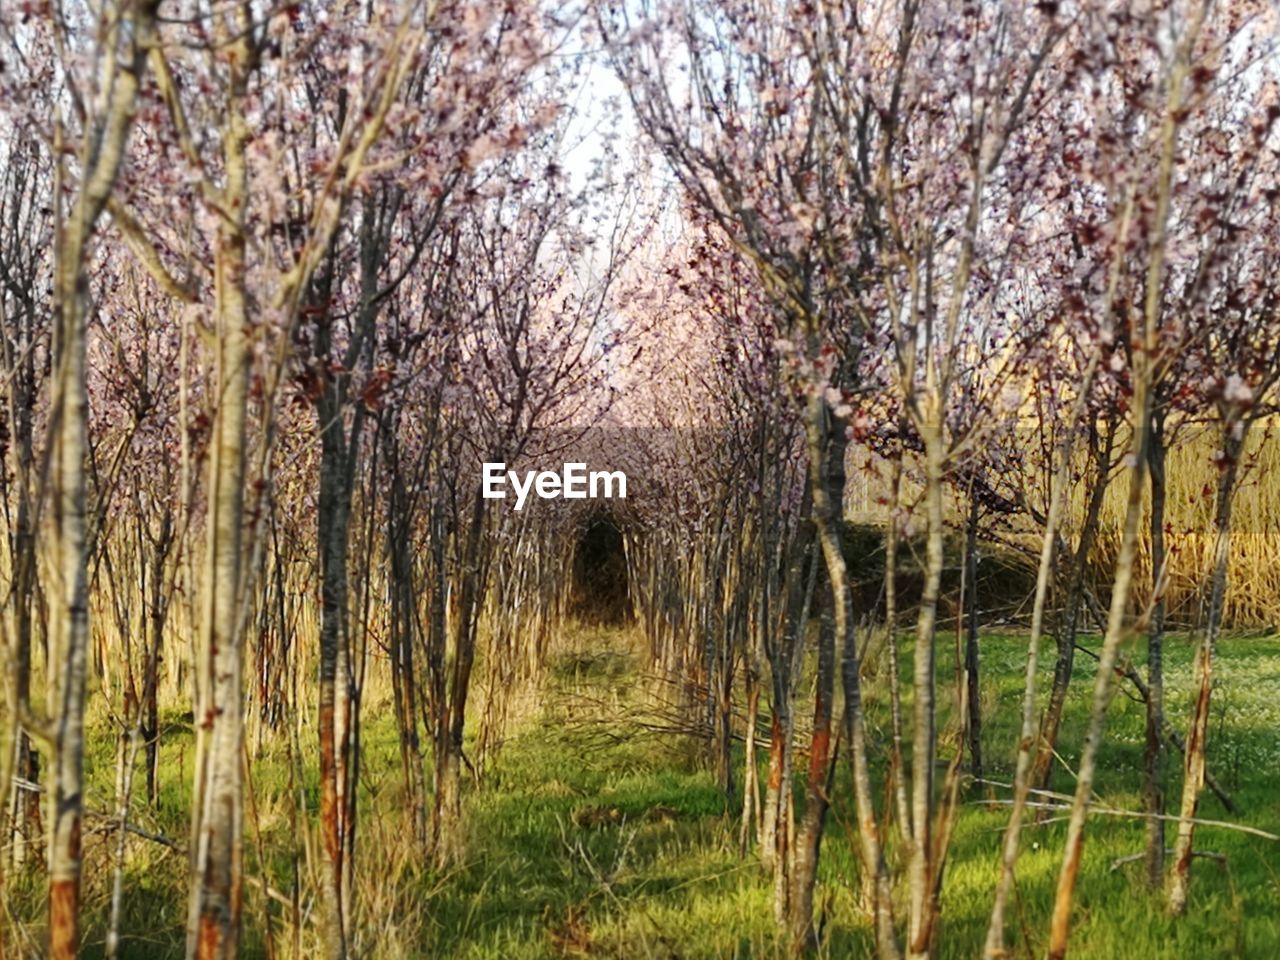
column 600, row 572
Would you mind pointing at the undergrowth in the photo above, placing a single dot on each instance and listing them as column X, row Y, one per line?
column 598, row 832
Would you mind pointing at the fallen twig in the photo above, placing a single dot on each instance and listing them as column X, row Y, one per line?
column 1135, row 857
column 109, row 823
column 1141, row 815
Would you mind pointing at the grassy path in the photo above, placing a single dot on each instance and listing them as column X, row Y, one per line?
column 596, row 836
column 597, row 839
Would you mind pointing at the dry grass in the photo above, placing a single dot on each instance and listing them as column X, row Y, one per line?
column 1253, row 593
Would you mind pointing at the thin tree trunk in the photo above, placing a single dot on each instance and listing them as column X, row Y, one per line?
column 437, row 643
column 898, row 764
column 750, row 777
column 1141, row 360
column 877, row 887
column 101, row 159
column 1104, row 682
column 785, row 652
column 1068, row 630
column 151, row 680
column 994, row 946
column 20, row 824
column 1198, row 732
column 403, row 669
column 335, row 668
column 129, row 744
column 69, row 638
column 973, row 701
column 924, row 745
column 447, row 828
column 773, row 787
column 213, row 921
column 1153, row 751
column 759, row 644
column 26, row 825
column 24, row 830
column 826, row 470
column 809, row 833
column 339, row 694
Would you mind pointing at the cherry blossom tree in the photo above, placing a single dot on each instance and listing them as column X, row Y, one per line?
column 102, row 56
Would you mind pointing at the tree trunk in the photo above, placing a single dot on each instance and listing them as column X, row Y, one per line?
column 783, row 656
column 826, row 472
column 151, row 680
column 750, row 777
column 1104, row 682
column 1141, row 359
column 213, row 921
column 809, row 833
column 1198, row 733
column 437, row 643
column 1153, row 751
column 101, row 158
column 994, row 946
column 402, row 622
column 69, row 636
column 336, row 700
column 878, row 890
column 897, row 764
column 447, row 827
column 973, row 687
column 773, row 787
column 924, row 745
column 26, row 826
column 1068, row 630
column 339, row 694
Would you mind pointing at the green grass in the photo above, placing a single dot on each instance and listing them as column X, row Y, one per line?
column 596, row 836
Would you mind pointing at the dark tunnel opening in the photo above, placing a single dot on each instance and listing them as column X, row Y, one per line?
column 600, row 575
